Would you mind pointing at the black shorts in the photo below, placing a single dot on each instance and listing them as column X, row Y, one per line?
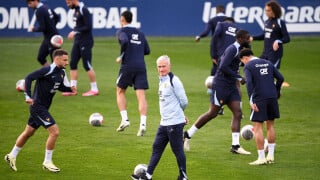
column 223, row 94
column 136, row 78
column 40, row 116
column 268, row 110
column 84, row 51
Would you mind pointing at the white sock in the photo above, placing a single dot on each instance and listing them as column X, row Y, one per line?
column 143, row 120
column 192, row 130
column 74, row 83
column 94, row 86
column 124, row 115
column 48, row 156
column 15, row 151
column 271, row 148
column 261, row 154
column 235, row 138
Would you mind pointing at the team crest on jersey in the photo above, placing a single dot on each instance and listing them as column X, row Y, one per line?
column 273, row 25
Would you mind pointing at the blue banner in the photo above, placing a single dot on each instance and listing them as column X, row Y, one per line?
column 162, row 17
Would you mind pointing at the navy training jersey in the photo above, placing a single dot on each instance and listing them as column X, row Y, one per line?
column 47, row 20
column 83, row 24
column 275, row 29
column 49, row 79
column 211, row 25
column 227, row 72
column 224, row 35
column 260, row 75
column 134, row 46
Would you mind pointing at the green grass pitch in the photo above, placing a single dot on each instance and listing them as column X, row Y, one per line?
column 86, row 152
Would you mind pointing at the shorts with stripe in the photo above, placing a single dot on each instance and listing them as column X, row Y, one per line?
column 268, row 110
column 40, row 116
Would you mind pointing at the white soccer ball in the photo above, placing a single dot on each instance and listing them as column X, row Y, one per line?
column 20, row 85
column 140, row 169
column 57, row 41
column 208, row 82
column 96, row 119
column 247, row 132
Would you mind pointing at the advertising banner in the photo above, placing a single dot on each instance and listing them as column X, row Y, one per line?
column 162, row 17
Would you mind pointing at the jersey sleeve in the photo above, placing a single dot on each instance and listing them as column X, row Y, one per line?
column 180, row 92
column 33, row 76
column 285, row 35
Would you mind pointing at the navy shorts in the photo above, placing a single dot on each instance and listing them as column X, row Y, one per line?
column 40, row 116
column 45, row 49
column 223, row 94
column 84, row 51
column 268, row 110
column 136, row 78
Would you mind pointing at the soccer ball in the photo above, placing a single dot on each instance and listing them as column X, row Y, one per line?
column 140, row 169
column 20, row 85
column 208, row 82
column 57, row 41
column 247, row 132
column 96, row 119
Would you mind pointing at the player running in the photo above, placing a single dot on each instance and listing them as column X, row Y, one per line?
column 48, row 79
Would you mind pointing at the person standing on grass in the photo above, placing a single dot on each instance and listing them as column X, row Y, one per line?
column 263, row 92
column 275, row 35
column 48, row 79
column 82, row 47
column 211, row 27
column 172, row 102
column 46, row 19
column 133, row 47
column 225, row 92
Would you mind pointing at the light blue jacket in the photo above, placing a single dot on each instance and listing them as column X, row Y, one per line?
column 172, row 101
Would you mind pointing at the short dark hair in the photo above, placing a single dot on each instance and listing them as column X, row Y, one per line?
column 229, row 19
column 127, row 16
column 242, row 34
column 245, row 52
column 275, row 7
column 59, row 52
column 219, row 9
column 31, row 0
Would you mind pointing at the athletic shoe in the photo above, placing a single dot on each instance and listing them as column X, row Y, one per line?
column 236, row 149
column 123, row 125
column 11, row 161
column 221, row 111
column 186, row 141
column 259, row 162
column 142, row 131
column 140, row 177
column 270, row 159
column 50, row 167
column 69, row 94
column 91, row 93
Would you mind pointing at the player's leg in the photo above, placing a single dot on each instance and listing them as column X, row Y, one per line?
column 258, row 135
column 143, row 109
column 122, row 106
column 200, row 122
column 140, row 87
column 43, row 53
column 176, row 132
column 75, row 57
column 234, row 106
column 86, row 55
column 53, row 131
column 20, row 142
column 271, row 136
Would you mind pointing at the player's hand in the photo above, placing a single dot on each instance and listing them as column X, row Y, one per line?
column 254, row 107
column 187, row 120
column 29, row 101
column 215, row 61
column 30, row 29
column 119, row 60
column 71, row 35
column 275, row 46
